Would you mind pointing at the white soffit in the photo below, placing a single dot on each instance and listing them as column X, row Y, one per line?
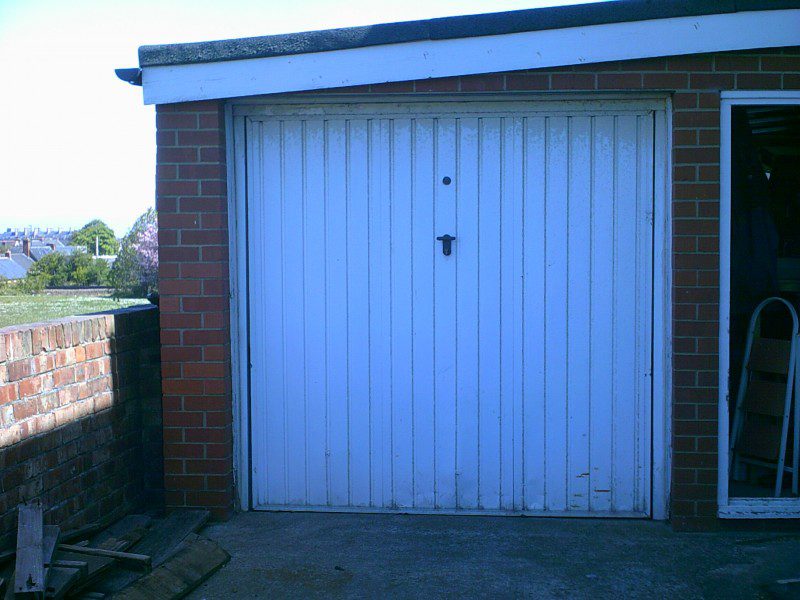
column 469, row 56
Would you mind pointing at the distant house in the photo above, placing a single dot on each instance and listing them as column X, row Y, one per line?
column 26, row 262
column 16, row 235
column 21, row 254
column 37, row 250
column 11, row 269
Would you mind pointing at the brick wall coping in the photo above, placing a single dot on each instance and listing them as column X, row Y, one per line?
column 107, row 316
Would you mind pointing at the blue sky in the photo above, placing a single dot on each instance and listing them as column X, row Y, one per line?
column 76, row 143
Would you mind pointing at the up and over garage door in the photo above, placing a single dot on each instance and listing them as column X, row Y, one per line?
column 450, row 306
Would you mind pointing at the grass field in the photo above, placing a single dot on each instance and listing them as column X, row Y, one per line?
column 17, row 310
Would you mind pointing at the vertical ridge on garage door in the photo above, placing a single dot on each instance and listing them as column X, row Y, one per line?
column 512, row 375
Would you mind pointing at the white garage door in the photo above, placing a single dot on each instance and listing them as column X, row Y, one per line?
column 512, row 375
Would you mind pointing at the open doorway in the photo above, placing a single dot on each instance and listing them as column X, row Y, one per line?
column 763, row 170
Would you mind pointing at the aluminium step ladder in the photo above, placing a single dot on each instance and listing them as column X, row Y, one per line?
column 770, row 377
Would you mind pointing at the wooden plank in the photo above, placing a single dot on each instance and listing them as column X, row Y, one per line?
column 160, row 542
column 135, row 560
column 9, row 593
column 766, row 398
column 95, row 565
column 62, row 579
column 29, row 577
column 81, row 533
column 51, row 536
column 80, row 565
column 770, row 356
column 194, row 562
column 61, row 582
column 128, row 529
column 115, row 529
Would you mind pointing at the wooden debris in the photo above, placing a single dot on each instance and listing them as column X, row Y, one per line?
column 120, row 536
column 110, row 562
column 160, row 542
column 196, row 560
column 49, row 543
column 81, row 533
column 61, row 580
column 29, row 574
column 97, row 567
column 136, row 560
column 166, row 535
column 123, row 534
column 122, row 528
column 80, row 565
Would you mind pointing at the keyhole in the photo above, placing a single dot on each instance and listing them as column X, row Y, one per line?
column 446, row 181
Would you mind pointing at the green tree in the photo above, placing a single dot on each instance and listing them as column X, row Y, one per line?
column 87, row 234
column 52, row 270
column 85, row 270
column 126, row 276
column 57, row 270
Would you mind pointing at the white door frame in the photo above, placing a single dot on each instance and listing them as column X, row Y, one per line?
column 661, row 374
column 737, row 508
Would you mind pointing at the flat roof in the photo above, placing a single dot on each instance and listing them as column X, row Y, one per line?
column 537, row 19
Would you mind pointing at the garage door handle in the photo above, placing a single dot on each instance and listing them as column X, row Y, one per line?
column 446, row 240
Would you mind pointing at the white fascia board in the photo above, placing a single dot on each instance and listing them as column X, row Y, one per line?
column 469, row 56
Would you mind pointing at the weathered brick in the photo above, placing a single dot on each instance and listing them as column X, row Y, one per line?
column 56, row 436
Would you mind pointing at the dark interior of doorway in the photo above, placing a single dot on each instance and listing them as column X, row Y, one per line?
column 765, row 262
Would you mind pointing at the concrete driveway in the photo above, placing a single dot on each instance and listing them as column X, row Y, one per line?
column 305, row 555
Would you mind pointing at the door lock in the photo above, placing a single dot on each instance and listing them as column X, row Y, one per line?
column 447, row 241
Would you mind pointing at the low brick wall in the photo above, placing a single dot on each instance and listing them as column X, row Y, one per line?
column 80, row 417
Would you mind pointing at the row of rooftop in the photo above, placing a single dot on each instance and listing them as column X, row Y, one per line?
column 19, row 233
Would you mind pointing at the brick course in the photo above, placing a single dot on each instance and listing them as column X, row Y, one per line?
column 192, row 205
column 80, row 418
column 193, row 273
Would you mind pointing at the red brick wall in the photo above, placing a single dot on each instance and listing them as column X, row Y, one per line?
column 185, row 131
column 80, row 417
column 195, row 334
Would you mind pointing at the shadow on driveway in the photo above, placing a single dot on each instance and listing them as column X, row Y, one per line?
column 307, row 555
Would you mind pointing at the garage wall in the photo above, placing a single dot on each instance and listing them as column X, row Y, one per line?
column 80, row 425
column 194, row 311
column 195, row 331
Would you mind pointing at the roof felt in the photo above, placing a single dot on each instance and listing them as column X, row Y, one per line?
column 517, row 21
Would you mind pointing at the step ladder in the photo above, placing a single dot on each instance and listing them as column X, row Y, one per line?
column 770, row 378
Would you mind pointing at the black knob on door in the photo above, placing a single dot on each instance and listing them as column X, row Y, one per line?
column 447, row 241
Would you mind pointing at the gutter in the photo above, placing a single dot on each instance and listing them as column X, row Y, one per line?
column 132, row 76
